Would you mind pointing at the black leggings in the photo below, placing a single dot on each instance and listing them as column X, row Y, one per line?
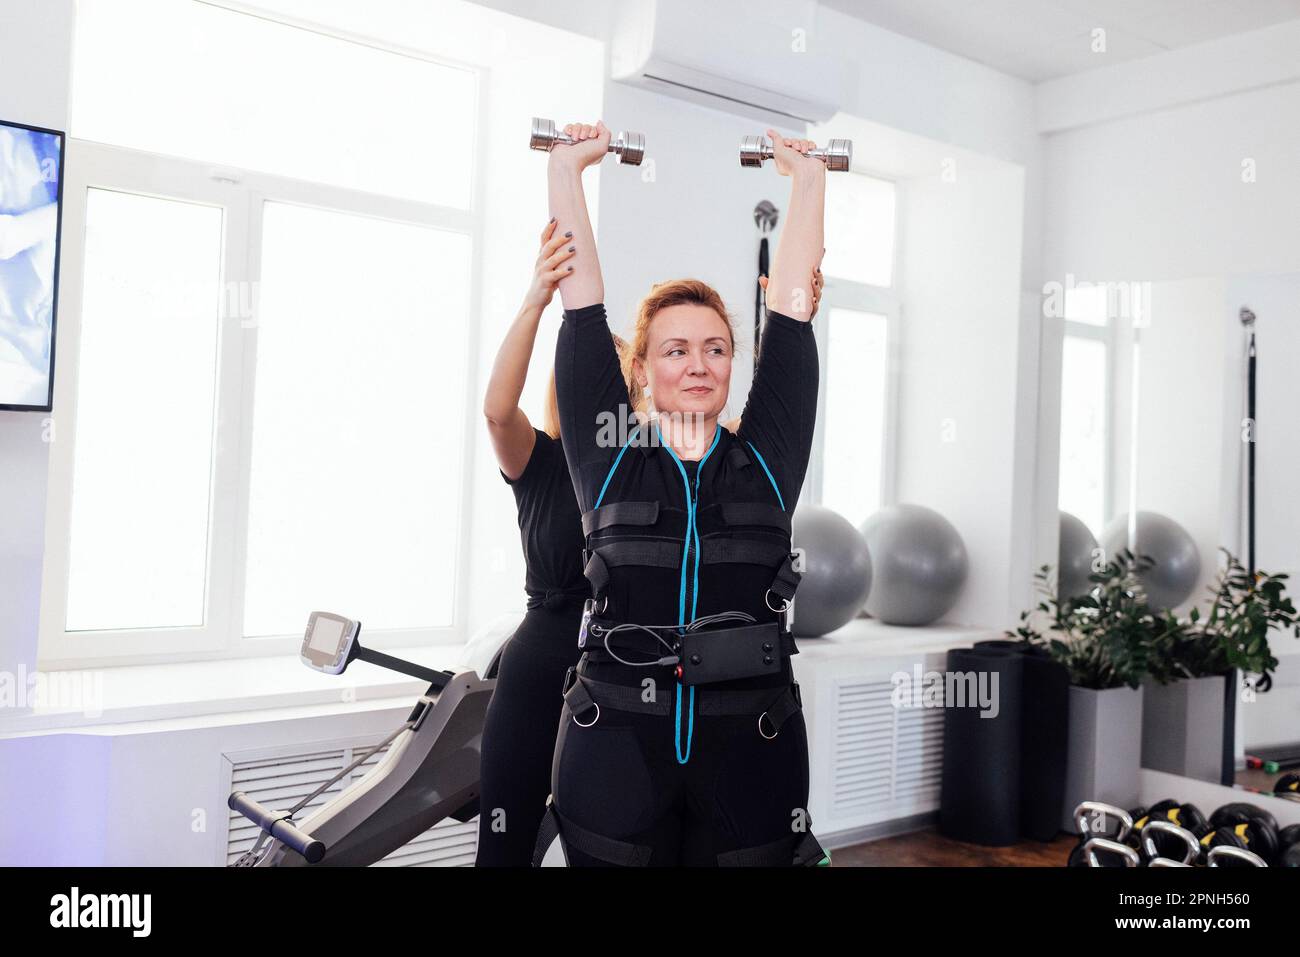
column 519, row 735
column 621, row 777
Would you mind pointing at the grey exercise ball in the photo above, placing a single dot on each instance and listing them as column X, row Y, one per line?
column 919, row 561
column 1074, row 558
column 836, row 569
column 1177, row 566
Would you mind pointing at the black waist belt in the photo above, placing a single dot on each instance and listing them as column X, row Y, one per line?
column 702, row 657
column 557, row 599
column 586, row 696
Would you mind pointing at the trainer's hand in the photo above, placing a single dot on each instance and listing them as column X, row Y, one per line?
column 817, row 282
column 549, row 268
column 789, row 155
column 590, row 146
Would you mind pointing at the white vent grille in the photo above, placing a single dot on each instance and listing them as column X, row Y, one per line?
column 281, row 782
column 883, row 755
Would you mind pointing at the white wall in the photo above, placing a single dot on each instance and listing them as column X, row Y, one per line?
column 960, row 256
column 35, row 55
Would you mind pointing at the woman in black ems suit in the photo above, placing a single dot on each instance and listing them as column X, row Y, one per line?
column 682, row 739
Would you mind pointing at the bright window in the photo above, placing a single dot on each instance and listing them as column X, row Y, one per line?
column 358, row 421
column 1084, row 388
column 192, row 80
column 143, row 447
column 860, row 230
column 855, row 384
column 852, row 460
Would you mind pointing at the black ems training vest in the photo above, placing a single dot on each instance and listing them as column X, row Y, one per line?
column 669, row 542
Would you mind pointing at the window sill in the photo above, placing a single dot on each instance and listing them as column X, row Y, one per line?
column 867, row 637
column 175, row 696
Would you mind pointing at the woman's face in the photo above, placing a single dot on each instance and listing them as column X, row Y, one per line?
column 687, row 365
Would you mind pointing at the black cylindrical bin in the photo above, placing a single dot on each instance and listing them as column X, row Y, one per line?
column 1045, row 729
column 979, row 800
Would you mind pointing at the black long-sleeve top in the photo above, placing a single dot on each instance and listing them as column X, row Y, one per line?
column 678, row 555
column 549, row 529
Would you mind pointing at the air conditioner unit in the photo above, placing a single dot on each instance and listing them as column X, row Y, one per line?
column 731, row 55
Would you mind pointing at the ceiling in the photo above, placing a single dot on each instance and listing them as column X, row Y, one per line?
column 1041, row 39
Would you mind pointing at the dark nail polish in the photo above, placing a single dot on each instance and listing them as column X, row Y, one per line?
column 570, row 269
column 571, row 248
column 569, row 234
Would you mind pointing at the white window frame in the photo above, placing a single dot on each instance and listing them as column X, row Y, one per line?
column 242, row 196
column 839, row 293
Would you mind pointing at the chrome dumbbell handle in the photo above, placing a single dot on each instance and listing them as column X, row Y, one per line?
column 1082, row 812
column 837, row 154
column 629, row 146
column 1191, row 845
column 1239, row 853
column 1095, row 844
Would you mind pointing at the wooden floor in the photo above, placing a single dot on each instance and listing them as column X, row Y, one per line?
column 928, row 848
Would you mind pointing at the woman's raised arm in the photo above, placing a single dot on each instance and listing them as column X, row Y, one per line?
column 799, row 252
column 584, row 287
column 781, row 410
column 511, row 433
column 589, row 386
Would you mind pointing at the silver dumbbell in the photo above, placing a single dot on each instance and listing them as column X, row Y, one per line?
column 837, row 154
column 630, row 147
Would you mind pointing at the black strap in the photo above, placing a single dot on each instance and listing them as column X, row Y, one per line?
column 796, row 850
column 787, row 579
column 554, row 824
column 620, row 513
column 647, row 552
column 714, row 551
column 752, row 513
column 583, row 694
column 777, row 709
column 597, row 573
column 555, row 599
column 586, row 693
column 546, row 834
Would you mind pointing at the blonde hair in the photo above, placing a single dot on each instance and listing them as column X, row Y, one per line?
column 673, row 292
column 551, row 414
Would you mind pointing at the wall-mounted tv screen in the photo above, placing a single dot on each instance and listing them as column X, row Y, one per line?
column 31, row 177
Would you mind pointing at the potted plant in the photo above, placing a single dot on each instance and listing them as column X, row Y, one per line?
column 1104, row 639
column 1185, row 696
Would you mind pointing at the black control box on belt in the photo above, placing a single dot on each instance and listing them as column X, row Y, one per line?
column 730, row 653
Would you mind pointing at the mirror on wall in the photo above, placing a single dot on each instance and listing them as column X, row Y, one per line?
column 1179, row 440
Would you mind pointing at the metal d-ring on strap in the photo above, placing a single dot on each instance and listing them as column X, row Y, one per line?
column 767, row 600
column 593, row 720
